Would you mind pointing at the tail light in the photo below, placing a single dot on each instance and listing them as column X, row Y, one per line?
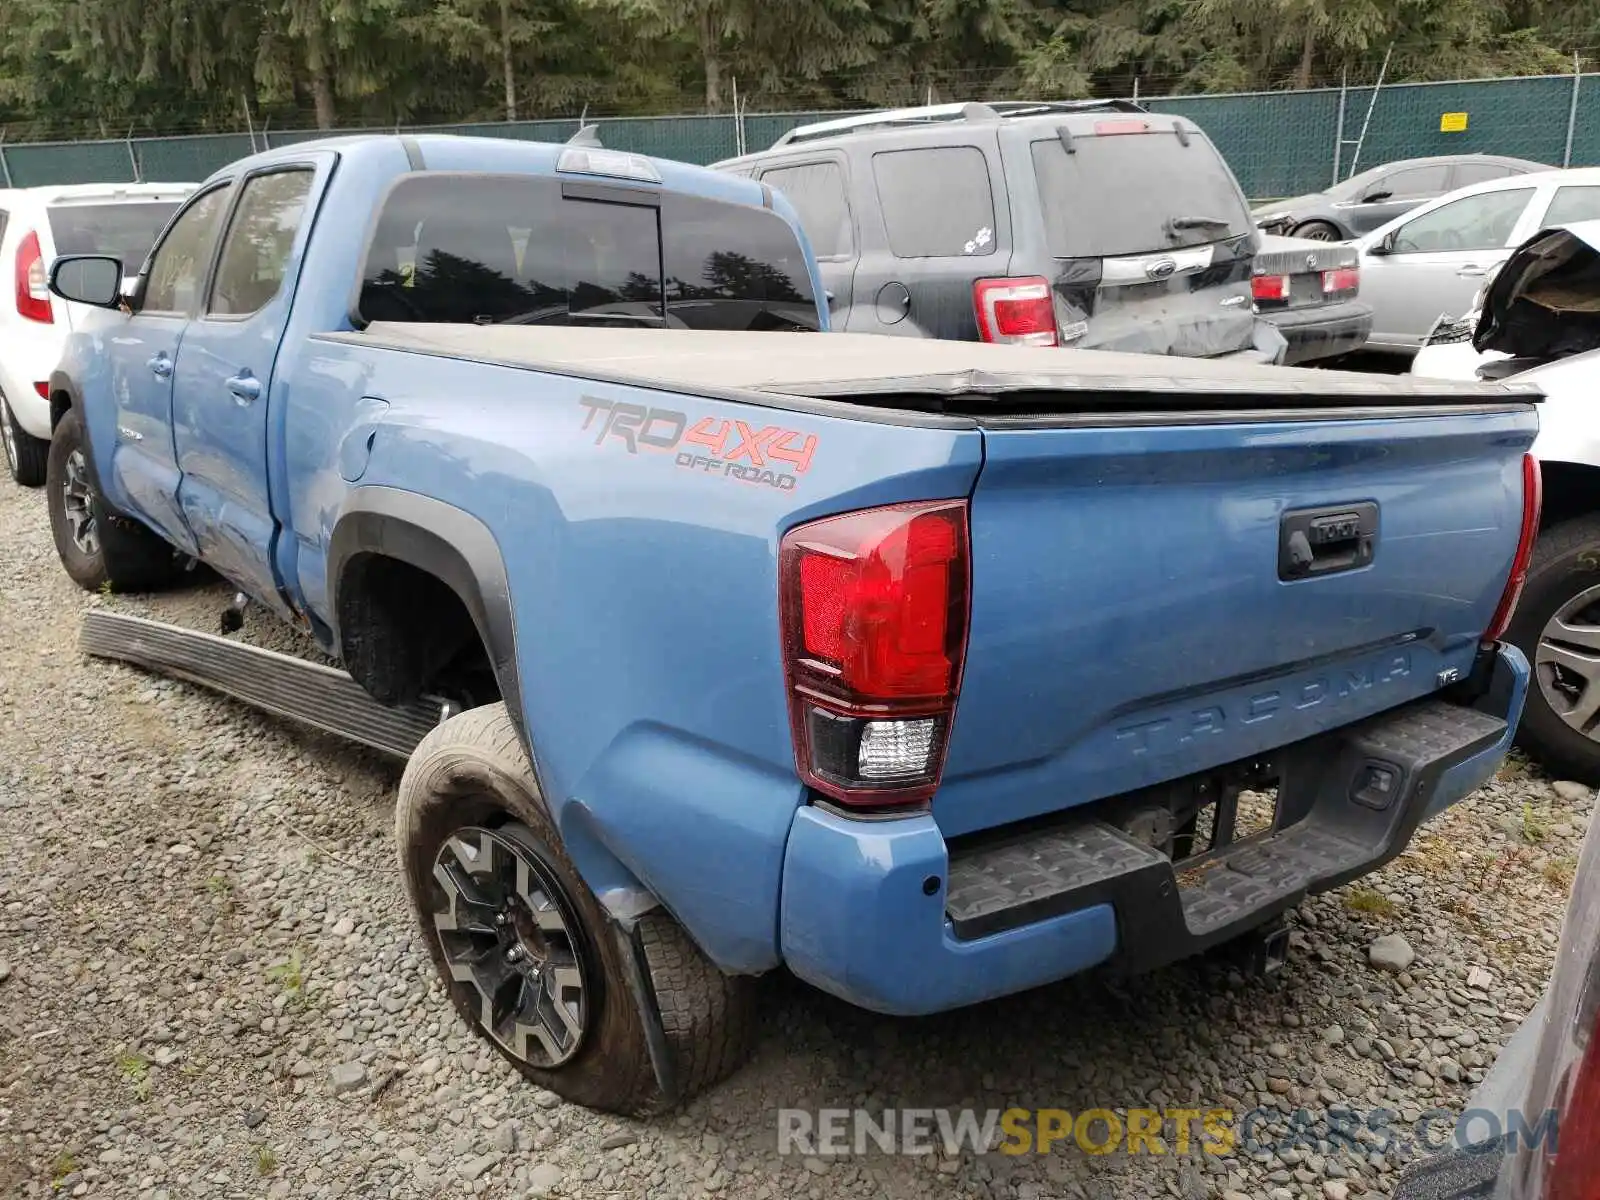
column 874, row 615
column 1016, row 310
column 1532, row 499
column 1270, row 287
column 43, row 389
column 1341, row 279
column 33, row 290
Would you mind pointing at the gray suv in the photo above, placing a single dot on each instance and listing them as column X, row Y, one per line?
column 1098, row 225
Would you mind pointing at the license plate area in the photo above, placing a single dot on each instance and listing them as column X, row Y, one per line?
column 1197, row 820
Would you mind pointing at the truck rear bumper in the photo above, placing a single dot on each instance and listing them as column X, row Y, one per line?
column 889, row 916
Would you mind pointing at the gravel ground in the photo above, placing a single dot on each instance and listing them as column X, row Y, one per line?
column 209, row 986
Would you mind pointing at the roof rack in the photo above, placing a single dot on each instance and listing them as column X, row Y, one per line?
column 934, row 114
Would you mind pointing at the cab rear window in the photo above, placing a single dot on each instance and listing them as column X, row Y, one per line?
column 525, row 250
column 124, row 231
column 1135, row 193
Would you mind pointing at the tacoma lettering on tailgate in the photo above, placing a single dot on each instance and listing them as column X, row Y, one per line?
column 770, row 456
column 1164, row 733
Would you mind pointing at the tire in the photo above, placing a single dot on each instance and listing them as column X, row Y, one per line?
column 1563, row 581
column 100, row 548
column 26, row 456
column 469, row 784
column 1318, row 231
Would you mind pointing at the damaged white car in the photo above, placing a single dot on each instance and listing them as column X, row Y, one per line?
column 1538, row 318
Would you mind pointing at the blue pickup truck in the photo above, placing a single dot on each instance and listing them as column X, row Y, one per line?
column 931, row 671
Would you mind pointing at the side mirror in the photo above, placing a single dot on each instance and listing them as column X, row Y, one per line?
column 832, row 299
column 1383, row 246
column 1377, row 194
column 91, row 279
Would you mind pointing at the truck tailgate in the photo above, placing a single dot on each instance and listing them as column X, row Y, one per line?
column 1142, row 608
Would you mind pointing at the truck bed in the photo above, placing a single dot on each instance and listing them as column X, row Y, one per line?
column 962, row 379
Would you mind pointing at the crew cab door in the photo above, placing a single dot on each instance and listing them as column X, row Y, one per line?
column 141, row 357
column 224, row 375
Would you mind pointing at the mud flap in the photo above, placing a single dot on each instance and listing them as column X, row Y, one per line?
column 637, row 965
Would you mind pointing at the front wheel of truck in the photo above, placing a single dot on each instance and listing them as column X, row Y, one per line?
column 529, row 957
column 100, row 549
column 1557, row 625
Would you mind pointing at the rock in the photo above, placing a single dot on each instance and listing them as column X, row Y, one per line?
column 253, row 1118
column 5, row 970
column 1333, row 1035
column 542, row 1180
column 475, row 1168
column 344, row 928
column 1480, row 979
column 1279, row 1050
column 1570, row 791
column 618, row 1140
column 815, row 1165
column 1391, row 952
column 1335, row 1189
column 505, row 1138
column 348, row 1077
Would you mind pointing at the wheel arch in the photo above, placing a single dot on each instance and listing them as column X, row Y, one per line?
column 443, row 542
column 63, row 395
column 1571, row 489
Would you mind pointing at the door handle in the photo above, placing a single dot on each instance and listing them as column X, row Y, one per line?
column 161, row 366
column 246, row 388
column 1471, row 272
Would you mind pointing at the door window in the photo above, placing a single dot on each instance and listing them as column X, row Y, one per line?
column 255, row 254
column 1469, row 173
column 1574, row 204
column 1413, row 183
column 818, row 194
column 1483, row 222
column 936, row 203
column 178, row 268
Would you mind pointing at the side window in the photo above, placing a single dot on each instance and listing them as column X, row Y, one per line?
column 1482, row 222
column 817, row 191
column 178, row 267
column 1574, row 204
column 1468, row 173
column 1414, row 182
column 936, row 203
column 255, row 253
column 4, row 217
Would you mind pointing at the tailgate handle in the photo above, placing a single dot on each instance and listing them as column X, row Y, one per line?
column 1326, row 541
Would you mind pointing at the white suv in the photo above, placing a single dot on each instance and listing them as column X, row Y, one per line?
column 36, row 224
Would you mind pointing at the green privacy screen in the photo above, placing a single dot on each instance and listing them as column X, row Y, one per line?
column 1278, row 143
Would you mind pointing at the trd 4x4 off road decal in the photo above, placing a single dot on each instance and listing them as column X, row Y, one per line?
column 770, row 456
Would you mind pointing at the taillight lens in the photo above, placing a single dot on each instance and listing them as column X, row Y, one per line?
column 33, row 290
column 1532, row 499
column 1341, row 279
column 874, row 612
column 1016, row 310
column 1270, row 287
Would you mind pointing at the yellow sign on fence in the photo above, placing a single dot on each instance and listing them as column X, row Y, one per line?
column 1453, row 123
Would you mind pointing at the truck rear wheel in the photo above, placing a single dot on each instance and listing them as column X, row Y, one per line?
column 25, row 454
column 98, row 547
column 529, row 957
column 1557, row 625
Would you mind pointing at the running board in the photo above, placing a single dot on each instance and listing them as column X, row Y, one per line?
column 307, row 692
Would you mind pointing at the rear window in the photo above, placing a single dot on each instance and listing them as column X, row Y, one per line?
column 123, row 231
column 528, row 250
column 937, row 203
column 1573, row 204
column 1134, row 194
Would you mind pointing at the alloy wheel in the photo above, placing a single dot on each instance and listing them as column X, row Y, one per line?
column 78, row 504
column 510, row 939
column 1567, row 662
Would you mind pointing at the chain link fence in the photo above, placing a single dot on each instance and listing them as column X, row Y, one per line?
column 1279, row 143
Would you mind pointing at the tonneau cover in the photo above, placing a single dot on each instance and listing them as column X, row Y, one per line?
column 845, row 364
